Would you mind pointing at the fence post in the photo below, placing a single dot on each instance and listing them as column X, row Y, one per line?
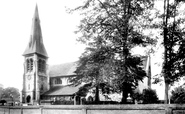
column 41, row 109
column 84, row 111
column 21, row 110
column 168, row 110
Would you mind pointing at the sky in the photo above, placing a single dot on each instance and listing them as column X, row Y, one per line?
column 59, row 38
column 57, row 26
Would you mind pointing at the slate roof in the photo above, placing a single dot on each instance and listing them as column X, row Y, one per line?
column 36, row 44
column 66, row 69
column 62, row 91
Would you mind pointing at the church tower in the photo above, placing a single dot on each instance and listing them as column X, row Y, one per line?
column 35, row 78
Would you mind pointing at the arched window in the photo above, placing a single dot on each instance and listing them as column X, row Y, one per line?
column 43, row 66
column 31, row 64
column 27, row 65
column 39, row 65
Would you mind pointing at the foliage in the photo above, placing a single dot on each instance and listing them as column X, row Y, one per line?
column 1, row 92
column 84, row 89
column 170, row 22
column 10, row 92
column 173, row 41
column 149, row 96
column 178, row 95
column 91, row 68
column 111, row 29
column 137, row 96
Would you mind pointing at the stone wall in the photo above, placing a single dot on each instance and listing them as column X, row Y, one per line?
column 95, row 109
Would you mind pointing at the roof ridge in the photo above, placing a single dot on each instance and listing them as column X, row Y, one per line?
column 63, row 63
column 65, row 69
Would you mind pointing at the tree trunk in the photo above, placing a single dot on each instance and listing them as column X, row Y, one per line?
column 124, row 93
column 166, row 97
column 124, row 34
column 165, row 40
column 124, row 97
column 97, row 98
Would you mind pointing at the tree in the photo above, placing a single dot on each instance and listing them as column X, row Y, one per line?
column 10, row 92
column 178, row 95
column 111, row 29
column 173, row 42
column 91, row 68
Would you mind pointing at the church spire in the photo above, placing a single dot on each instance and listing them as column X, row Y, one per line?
column 36, row 15
column 35, row 44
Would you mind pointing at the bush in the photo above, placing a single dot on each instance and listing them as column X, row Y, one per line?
column 178, row 95
column 138, row 97
column 148, row 96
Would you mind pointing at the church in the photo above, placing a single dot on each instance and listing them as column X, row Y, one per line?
column 39, row 78
column 42, row 81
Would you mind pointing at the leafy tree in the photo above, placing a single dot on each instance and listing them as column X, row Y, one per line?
column 91, row 69
column 178, row 95
column 173, row 41
column 111, row 29
column 10, row 92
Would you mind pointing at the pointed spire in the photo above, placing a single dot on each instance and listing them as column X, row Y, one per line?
column 36, row 11
column 36, row 42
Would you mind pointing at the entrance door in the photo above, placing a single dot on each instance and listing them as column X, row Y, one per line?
column 28, row 98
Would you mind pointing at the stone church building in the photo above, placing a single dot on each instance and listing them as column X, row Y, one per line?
column 41, row 80
column 38, row 76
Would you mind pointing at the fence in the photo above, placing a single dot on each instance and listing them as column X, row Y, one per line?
column 95, row 109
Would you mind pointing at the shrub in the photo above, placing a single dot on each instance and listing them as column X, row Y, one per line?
column 178, row 95
column 149, row 96
column 138, row 97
